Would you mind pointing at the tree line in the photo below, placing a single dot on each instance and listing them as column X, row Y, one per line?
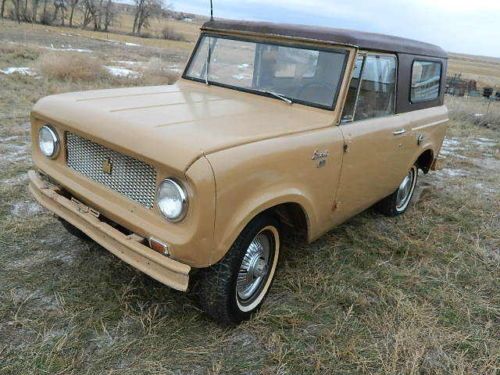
column 98, row 15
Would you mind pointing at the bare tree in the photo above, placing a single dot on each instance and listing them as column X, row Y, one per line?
column 2, row 9
column 17, row 10
column 144, row 11
column 45, row 17
column 87, row 14
column 34, row 9
column 109, row 14
column 91, row 13
column 72, row 6
column 59, row 7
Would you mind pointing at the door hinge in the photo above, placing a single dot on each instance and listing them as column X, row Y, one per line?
column 346, row 147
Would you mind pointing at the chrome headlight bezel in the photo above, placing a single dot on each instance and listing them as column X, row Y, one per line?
column 182, row 197
column 55, row 140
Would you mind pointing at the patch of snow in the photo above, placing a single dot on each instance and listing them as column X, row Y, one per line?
column 117, row 71
column 485, row 189
column 25, row 209
column 450, row 147
column 68, row 49
column 24, row 71
column 447, row 172
column 486, row 142
column 478, row 115
column 243, row 66
column 451, row 142
column 486, row 163
column 129, row 63
column 8, row 139
column 175, row 68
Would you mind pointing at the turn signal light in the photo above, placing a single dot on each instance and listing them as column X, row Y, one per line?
column 159, row 247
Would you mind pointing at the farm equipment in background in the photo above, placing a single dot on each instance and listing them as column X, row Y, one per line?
column 488, row 92
column 457, row 86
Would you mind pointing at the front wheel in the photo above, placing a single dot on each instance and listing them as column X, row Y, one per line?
column 397, row 203
column 233, row 289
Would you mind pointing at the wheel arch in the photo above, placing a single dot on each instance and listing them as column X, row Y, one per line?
column 292, row 212
column 425, row 160
column 291, row 215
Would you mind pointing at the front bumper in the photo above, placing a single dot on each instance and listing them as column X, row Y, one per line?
column 128, row 248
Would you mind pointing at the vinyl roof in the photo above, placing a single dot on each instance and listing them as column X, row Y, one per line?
column 362, row 40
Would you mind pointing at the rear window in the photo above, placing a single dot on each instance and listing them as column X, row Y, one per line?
column 426, row 80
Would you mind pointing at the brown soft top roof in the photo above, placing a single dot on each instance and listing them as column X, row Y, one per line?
column 362, row 40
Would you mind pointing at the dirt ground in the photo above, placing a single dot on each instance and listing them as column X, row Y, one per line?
column 414, row 295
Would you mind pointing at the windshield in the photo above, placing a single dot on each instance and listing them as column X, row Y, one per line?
column 297, row 74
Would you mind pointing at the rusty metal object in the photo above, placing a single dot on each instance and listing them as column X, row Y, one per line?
column 457, row 86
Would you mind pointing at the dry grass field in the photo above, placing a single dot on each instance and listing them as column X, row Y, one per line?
column 485, row 70
column 413, row 295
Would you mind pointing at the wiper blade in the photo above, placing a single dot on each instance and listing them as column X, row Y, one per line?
column 279, row 96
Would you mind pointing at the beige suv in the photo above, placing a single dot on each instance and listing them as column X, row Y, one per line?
column 271, row 127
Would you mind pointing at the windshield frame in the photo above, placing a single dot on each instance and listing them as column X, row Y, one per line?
column 284, row 43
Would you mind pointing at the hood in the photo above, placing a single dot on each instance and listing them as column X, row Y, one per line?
column 175, row 125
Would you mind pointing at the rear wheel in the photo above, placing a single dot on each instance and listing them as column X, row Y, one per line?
column 233, row 289
column 397, row 203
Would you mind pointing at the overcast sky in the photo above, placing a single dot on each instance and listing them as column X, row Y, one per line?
column 467, row 26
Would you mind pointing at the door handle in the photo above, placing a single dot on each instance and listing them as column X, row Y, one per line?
column 399, row 132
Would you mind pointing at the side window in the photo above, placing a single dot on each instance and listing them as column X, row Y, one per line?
column 378, row 88
column 372, row 90
column 425, row 81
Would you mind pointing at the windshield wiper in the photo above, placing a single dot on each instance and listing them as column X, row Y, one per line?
column 279, row 96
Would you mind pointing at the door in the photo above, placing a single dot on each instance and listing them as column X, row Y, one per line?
column 374, row 161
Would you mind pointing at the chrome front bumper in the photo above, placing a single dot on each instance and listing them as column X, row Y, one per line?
column 128, row 248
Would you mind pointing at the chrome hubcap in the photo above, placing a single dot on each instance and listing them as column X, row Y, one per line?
column 404, row 191
column 255, row 266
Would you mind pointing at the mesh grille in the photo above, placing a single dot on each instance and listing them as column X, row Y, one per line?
column 128, row 176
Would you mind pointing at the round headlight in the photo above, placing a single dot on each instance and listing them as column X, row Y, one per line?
column 172, row 200
column 48, row 141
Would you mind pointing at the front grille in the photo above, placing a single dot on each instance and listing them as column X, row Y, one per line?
column 128, row 176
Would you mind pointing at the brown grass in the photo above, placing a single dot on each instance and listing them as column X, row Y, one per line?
column 156, row 72
column 478, row 111
column 71, row 66
column 12, row 53
column 170, row 33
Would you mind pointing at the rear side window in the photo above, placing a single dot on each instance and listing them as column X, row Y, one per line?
column 425, row 81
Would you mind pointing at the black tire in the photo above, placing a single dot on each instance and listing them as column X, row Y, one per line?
column 393, row 205
column 218, row 285
column 74, row 230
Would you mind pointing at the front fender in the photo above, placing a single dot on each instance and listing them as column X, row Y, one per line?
column 249, row 209
column 255, row 177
